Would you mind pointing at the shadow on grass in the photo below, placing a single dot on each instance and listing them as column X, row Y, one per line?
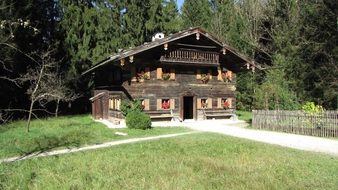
column 47, row 143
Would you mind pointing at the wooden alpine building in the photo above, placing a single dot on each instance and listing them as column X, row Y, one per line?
column 187, row 75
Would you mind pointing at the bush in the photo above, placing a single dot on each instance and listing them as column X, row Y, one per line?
column 138, row 120
column 129, row 106
column 312, row 108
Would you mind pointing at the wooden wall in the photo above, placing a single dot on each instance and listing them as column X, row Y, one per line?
column 185, row 82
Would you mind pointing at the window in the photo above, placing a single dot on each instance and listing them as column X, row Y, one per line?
column 114, row 103
column 225, row 103
column 145, row 104
column 139, row 74
column 143, row 73
column 165, row 104
column 165, row 73
column 204, row 75
column 225, row 75
column 204, row 103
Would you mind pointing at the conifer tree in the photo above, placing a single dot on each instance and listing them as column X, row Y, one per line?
column 196, row 13
column 170, row 17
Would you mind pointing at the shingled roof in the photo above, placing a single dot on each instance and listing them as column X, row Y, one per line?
column 182, row 34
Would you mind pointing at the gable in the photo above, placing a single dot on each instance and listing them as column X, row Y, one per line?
column 194, row 39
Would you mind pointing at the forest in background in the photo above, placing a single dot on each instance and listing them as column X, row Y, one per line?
column 46, row 44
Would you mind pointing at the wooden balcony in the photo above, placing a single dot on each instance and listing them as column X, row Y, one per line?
column 191, row 57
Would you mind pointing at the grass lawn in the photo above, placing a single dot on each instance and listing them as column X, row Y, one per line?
column 244, row 115
column 71, row 131
column 196, row 161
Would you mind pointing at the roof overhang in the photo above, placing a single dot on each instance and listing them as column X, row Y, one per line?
column 147, row 46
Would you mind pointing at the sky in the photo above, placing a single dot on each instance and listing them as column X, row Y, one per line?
column 179, row 3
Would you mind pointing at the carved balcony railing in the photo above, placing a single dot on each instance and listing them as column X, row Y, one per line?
column 191, row 56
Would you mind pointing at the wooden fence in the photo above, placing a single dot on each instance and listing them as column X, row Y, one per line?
column 323, row 124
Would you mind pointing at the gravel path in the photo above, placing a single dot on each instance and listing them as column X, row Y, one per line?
column 308, row 143
column 92, row 147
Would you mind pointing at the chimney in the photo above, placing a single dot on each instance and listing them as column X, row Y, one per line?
column 157, row 36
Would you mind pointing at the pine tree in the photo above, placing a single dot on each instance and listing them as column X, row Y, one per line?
column 196, row 13
column 319, row 34
column 91, row 32
column 170, row 20
column 134, row 19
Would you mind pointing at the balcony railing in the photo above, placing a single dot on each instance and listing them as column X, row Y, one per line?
column 191, row 56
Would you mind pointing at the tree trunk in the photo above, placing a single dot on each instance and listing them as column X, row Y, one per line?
column 57, row 107
column 30, row 115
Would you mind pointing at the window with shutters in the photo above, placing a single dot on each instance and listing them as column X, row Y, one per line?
column 204, row 75
column 165, row 104
column 145, row 104
column 114, row 103
column 226, row 75
column 225, row 103
column 204, row 103
column 142, row 73
column 166, row 73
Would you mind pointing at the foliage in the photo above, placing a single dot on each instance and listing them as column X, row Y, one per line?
column 129, row 106
column 138, row 120
column 196, row 161
column 196, row 13
column 311, row 107
column 205, row 78
column 245, row 116
column 166, row 76
column 274, row 92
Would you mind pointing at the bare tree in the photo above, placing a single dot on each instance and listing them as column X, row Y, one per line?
column 63, row 93
column 45, row 84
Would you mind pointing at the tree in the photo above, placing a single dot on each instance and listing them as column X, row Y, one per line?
column 196, row 13
column 45, row 84
column 274, row 93
column 134, row 19
column 25, row 27
column 170, row 17
column 319, row 51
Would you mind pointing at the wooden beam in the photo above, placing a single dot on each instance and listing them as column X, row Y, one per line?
column 199, row 46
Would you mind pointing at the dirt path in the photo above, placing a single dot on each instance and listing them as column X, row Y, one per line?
column 92, row 147
column 301, row 142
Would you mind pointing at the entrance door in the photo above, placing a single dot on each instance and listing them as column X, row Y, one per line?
column 188, row 107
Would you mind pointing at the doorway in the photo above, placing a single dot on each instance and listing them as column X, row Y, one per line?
column 188, row 107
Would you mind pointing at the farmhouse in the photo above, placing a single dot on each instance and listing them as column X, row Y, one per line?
column 187, row 75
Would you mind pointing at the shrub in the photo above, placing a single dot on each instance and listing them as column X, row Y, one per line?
column 138, row 120
column 129, row 106
column 312, row 108
column 313, row 112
